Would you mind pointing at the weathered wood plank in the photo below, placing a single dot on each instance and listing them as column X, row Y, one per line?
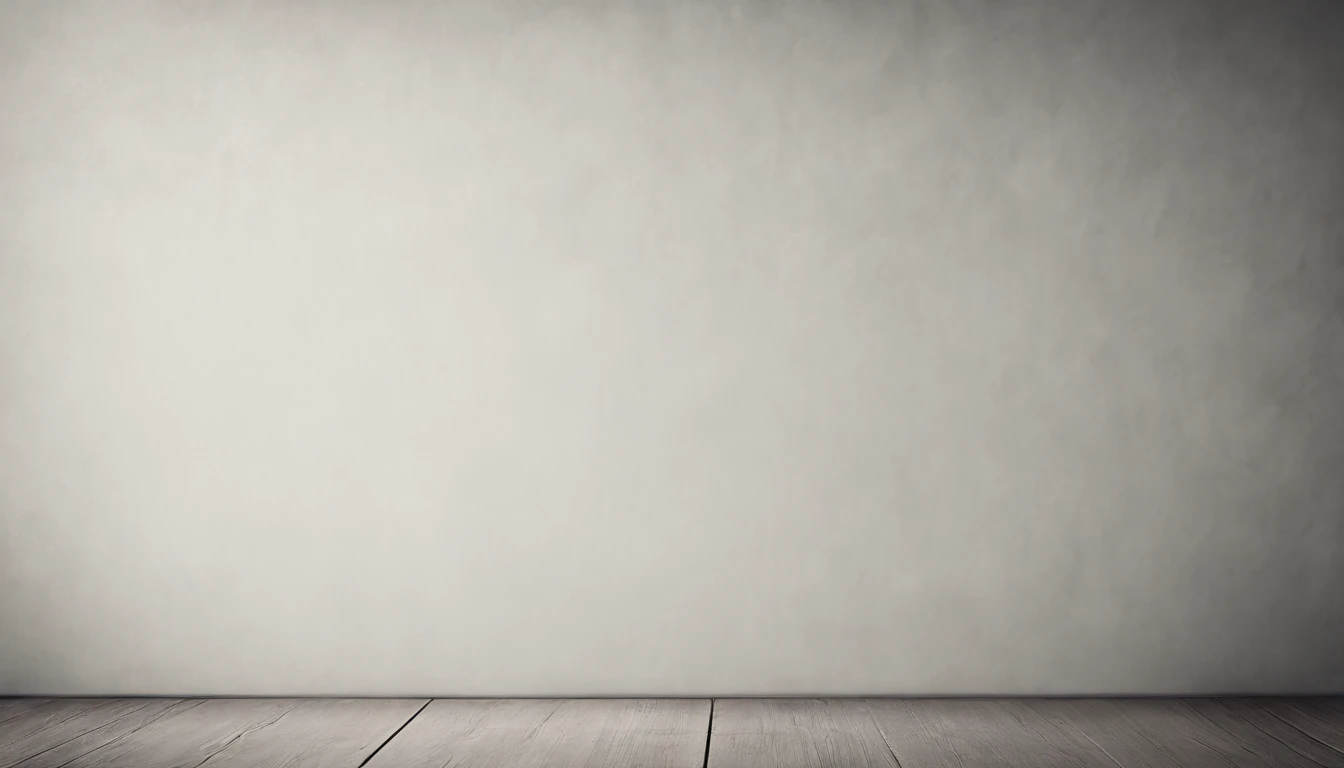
column 13, row 707
column 321, row 733
column 1313, row 728
column 187, row 737
column 1283, row 750
column 783, row 733
column 555, row 733
column 133, row 715
column 38, row 724
column 1176, row 733
column 255, row 733
column 975, row 733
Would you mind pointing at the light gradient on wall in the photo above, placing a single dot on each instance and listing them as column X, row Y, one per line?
column 570, row 348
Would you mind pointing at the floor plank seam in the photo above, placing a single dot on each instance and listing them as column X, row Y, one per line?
column 389, row 739
column 709, row 734
column 872, row 717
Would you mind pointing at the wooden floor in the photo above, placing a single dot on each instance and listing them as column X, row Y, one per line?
column 674, row 733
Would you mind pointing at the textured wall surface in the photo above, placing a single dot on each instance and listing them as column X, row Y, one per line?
column 765, row 347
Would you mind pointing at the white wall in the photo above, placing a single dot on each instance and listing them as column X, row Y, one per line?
column 540, row 348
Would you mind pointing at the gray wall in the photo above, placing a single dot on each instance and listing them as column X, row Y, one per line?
column 671, row 347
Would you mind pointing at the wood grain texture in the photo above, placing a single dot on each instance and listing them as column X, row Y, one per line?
column 334, row 733
column 13, row 707
column 746, row 733
column 522, row 733
column 1313, row 727
column 134, row 715
column 1142, row 734
column 782, row 733
column 950, row 733
column 187, row 737
column 1175, row 733
column 44, row 723
column 1284, row 749
column 26, row 715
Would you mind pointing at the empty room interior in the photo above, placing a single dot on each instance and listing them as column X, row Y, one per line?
column 671, row 383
